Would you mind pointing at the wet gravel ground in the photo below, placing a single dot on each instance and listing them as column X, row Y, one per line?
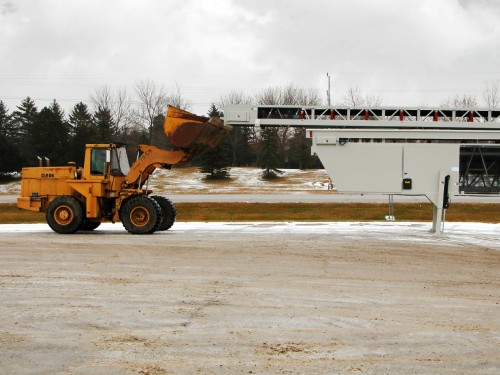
column 260, row 298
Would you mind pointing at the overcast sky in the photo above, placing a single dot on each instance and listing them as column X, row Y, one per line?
column 410, row 52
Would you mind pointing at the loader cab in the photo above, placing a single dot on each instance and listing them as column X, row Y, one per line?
column 102, row 160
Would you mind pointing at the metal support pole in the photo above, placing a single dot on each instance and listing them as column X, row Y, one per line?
column 390, row 216
column 437, row 217
column 436, row 220
column 328, row 91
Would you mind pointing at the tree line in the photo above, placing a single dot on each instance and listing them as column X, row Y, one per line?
column 27, row 132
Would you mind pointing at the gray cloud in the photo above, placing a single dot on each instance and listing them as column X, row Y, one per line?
column 6, row 7
column 409, row 52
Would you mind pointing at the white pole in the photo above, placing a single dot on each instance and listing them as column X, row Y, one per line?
column 328, row 91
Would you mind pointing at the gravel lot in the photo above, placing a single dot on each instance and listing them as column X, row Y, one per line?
column 259, row 298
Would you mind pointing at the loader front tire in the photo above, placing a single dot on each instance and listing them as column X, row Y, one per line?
column 140, row 214
column 64, row 215
column 168, row 212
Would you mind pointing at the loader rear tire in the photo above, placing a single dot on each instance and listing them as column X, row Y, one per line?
column 168, row 212
column 64, row 215
column 140, row 214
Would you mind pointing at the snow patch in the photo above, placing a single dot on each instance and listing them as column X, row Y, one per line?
column 456, row 234
column 191, row 181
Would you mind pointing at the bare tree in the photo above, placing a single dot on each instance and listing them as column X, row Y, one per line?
column 464, row 101
column 152, row 103
column 312, row 97
column 234, row 97
column 176, row 99
column 373, row 100
column 288, row 95
column 101, row 98
column 491, row 93
column 291, row 95
column 122, row 108
column 355, row 98
column 118, row 103
column 270, row 96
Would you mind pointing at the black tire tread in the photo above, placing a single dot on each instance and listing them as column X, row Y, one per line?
column 146, row 202
column 168, row 211
column 77, row 212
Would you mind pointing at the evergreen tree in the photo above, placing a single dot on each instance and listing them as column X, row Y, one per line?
column 300, row 151
column 50, row 135
column 83, row 131
column 143, row 137
column 242, row 152
column 9, row 156
column 23, row 121
column 105, row 126
column 25, row 116
column 214, row 162
column 4, row 119
column 269, row 154
column 9, row 152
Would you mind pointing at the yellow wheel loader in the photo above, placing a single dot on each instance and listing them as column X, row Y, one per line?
column 108, row 188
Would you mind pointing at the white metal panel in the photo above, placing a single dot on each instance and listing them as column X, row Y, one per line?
column 423, row 163
column 326, row 140
column 424, row 134
column 363, row 167
column 236, row 116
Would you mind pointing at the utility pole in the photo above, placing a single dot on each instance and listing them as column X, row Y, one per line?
column 328, row 91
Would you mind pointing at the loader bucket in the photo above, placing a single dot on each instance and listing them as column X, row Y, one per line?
column 191, row 132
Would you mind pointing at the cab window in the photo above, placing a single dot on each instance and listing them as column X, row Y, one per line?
column 119, row 162
column 98, row 161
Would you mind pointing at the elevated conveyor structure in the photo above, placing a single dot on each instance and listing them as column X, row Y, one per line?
column 436, row 152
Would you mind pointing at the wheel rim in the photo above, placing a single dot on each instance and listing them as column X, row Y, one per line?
column 63, row 215
column 139, row 216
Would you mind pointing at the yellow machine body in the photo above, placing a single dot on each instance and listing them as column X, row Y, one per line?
column 98, row 191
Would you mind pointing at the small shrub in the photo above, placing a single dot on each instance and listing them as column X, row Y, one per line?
column 271, row 173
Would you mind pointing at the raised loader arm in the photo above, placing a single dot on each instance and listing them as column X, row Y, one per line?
column 150, row 158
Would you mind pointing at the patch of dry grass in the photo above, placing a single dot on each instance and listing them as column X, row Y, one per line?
column 468, row 212
column 10, row 214
column 487, row 213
